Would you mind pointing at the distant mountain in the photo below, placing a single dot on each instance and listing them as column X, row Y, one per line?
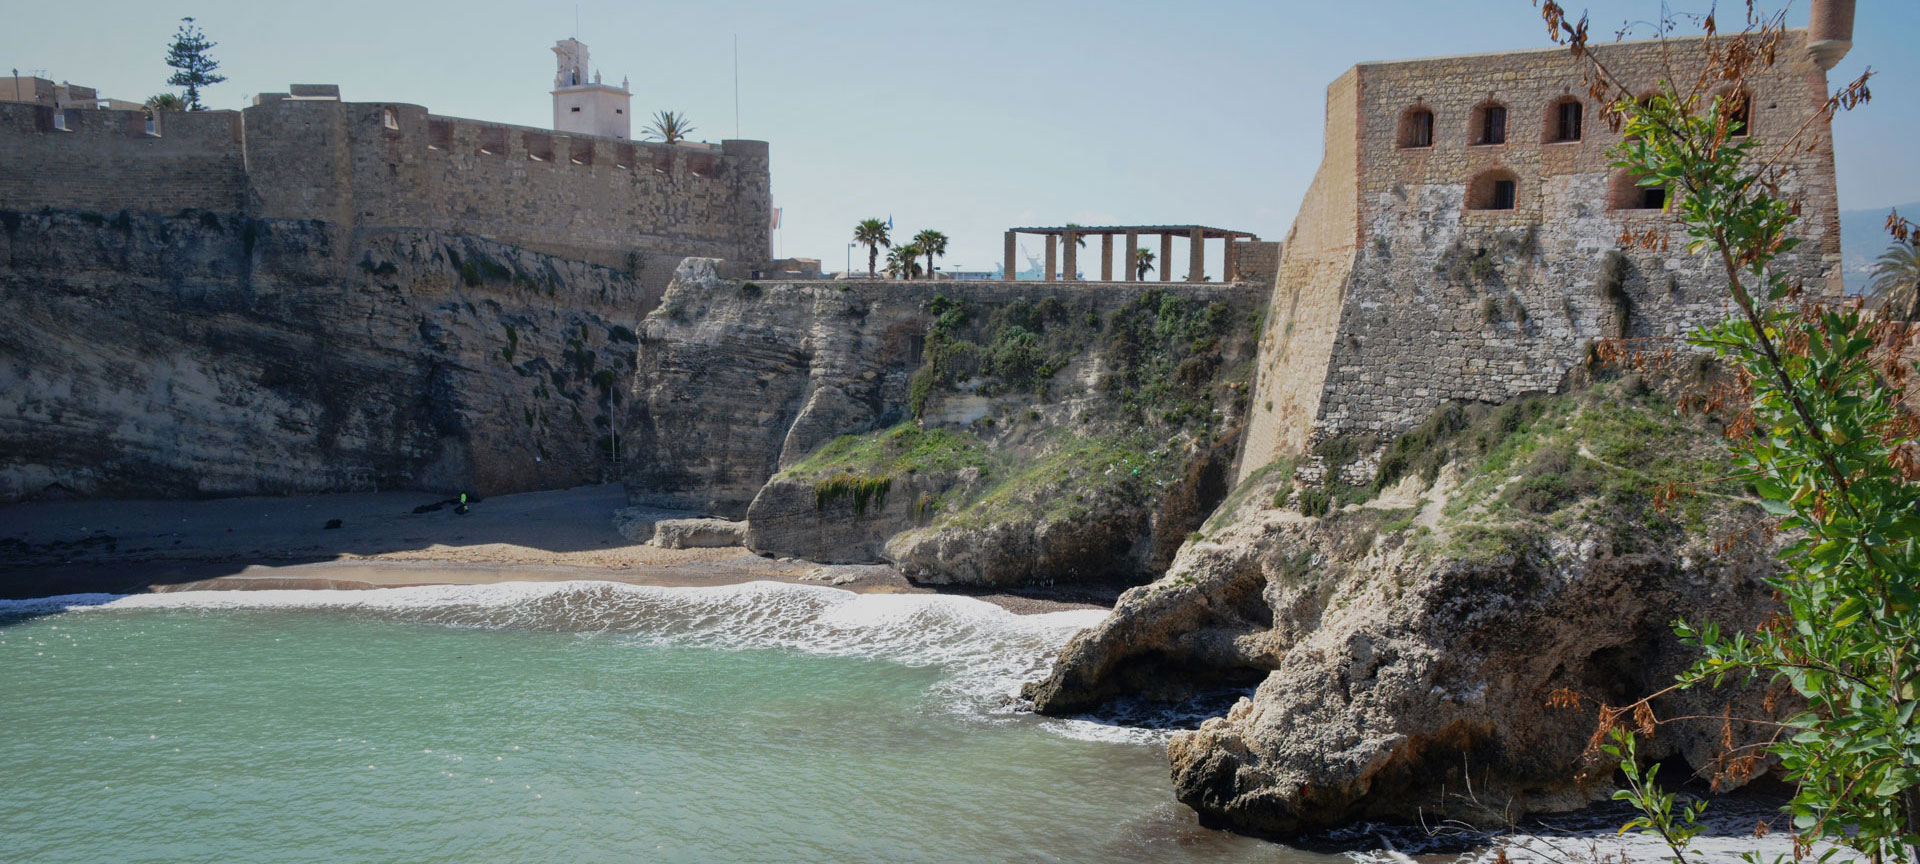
column 1863, row 236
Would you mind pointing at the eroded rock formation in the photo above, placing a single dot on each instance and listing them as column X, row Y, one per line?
column 1405, row 648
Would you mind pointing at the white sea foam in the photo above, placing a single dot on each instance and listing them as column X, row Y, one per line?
column 985, row 650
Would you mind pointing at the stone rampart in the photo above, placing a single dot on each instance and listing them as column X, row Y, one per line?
column 625, row 204
column 107, row 161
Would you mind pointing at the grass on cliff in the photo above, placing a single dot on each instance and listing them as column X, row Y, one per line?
column 1073, row 478
column 1616, row 454
column 864, row 468
column 901, row 450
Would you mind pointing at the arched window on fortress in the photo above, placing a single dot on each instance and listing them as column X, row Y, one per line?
column 574, row 76
column 1737, row 107
column 389, row 118
column 1416, row 128
column 1565, row 121
column 1496, row 189
column 1489, row 123
column 1625, row 193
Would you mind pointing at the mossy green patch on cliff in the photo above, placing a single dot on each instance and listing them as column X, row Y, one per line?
column 863, row 489
column 863, row 468
column 1073, row 478
column 903, row 449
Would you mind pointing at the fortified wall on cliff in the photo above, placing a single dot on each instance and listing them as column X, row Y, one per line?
column 312, row 295
column 1462, row 239
column 370, row 165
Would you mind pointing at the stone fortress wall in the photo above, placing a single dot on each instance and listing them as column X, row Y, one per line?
column 1400, row 289
column 361, row 165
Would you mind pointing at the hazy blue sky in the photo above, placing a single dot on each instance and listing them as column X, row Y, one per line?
column 965, row 116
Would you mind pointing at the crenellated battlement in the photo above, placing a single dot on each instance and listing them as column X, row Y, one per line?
column 389, row 165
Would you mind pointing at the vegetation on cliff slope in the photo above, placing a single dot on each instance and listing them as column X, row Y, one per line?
column 1089, row 414
column 1610, row 454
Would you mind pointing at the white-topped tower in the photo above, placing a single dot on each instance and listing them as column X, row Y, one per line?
column 583, row 105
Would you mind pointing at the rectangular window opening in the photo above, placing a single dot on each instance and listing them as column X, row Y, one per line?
column 1653, row 198
column 1493, row 125
column 1570, row 117
column 1502, row 195
column 1422, row 130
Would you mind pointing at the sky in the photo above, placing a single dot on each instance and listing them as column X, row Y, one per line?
column 967, row 116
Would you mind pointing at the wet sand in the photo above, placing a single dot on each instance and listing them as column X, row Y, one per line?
column 49, row 548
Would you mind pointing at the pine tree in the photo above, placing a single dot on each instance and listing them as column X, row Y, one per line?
column 188, row 54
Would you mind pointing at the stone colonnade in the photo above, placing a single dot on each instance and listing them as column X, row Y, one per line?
column 1063, row 250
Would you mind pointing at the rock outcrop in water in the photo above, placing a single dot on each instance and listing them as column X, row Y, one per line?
column 1405, row 645
column 989, row 434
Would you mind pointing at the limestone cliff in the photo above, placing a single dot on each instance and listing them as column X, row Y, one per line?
column 203, row 354
column 988, row 433
column 1406, row 642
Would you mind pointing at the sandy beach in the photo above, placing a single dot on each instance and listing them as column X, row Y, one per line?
column 380, row 541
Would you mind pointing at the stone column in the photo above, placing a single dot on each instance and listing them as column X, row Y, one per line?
column 1227, row 261
column 1133, row 248
column 1053, row 250
column 1012, row 242
column 1197, row 259
column 1166, row 257
column 1106, row 257
column 1070, row 241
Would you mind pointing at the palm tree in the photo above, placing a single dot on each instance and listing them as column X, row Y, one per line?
column 1142, row 263
column 164, row 102
column 904, row 262
column 931, row 244
column 872, row 232
column 669, row 126
column 1896, row 281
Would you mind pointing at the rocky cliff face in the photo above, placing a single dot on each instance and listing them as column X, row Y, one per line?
column 988, row 433
column 1406, row 642
column 208, row 354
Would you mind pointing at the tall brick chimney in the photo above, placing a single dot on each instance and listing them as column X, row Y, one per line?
column 1829, row 31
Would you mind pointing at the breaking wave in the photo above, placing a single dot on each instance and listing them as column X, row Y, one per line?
column 985, row 651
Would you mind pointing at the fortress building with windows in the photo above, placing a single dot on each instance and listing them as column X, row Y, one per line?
column 1463, row 237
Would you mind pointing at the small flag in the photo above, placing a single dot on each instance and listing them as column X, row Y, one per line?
column 776, row 216
column 889, row 221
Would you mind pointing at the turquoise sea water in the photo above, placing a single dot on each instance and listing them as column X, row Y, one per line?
column 563, row 722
